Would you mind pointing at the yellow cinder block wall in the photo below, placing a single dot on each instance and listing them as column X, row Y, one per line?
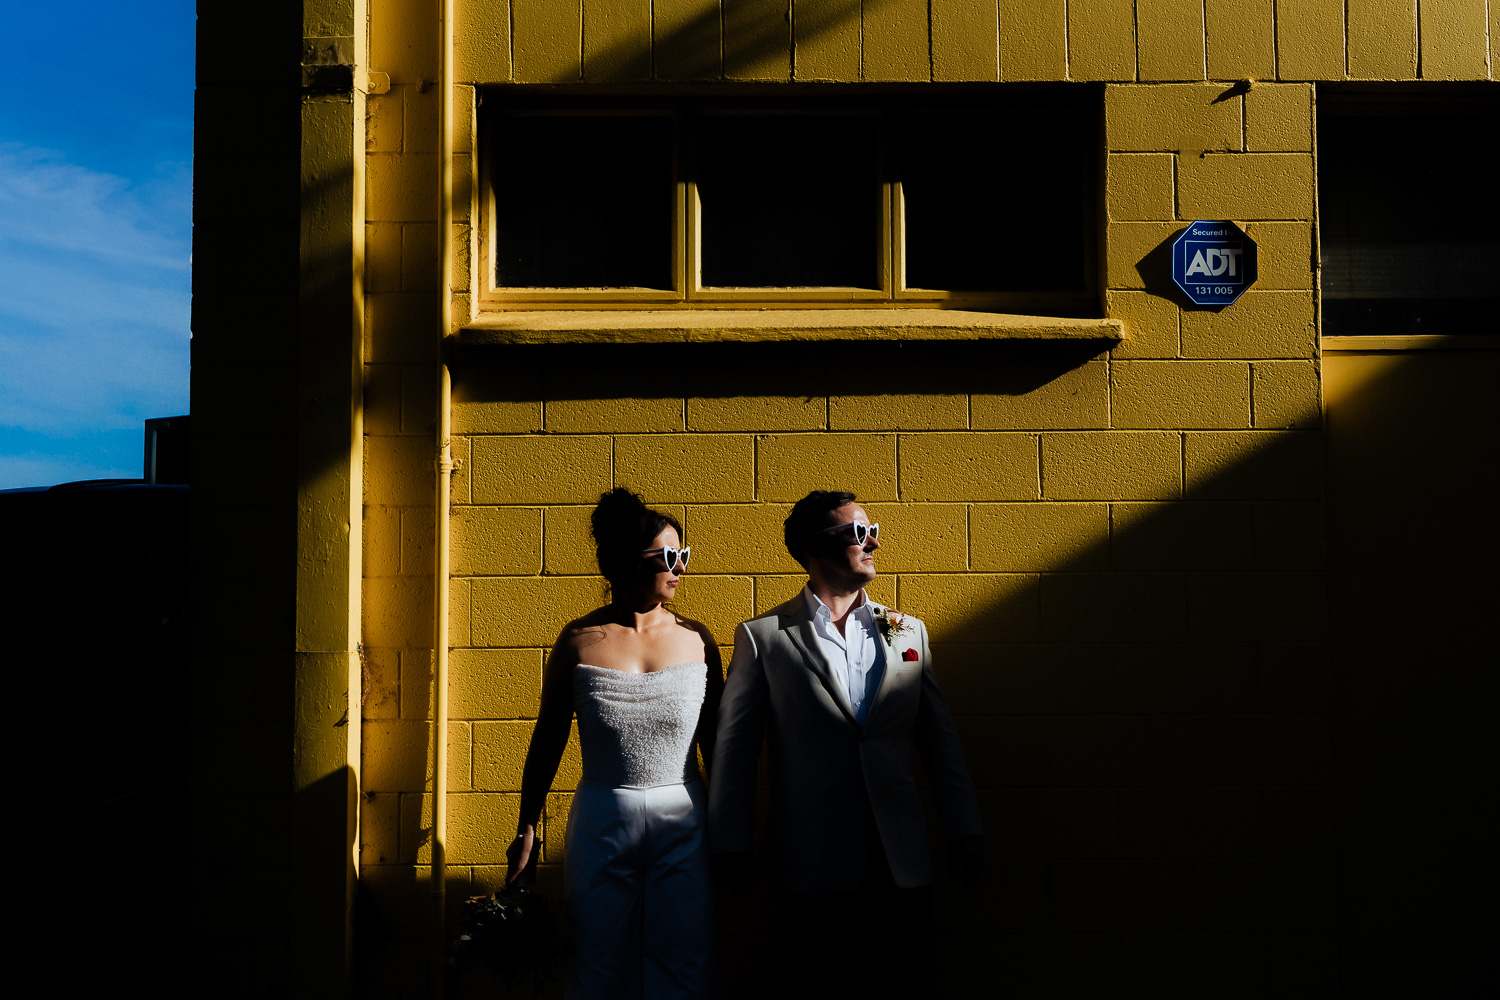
column 1120, row 553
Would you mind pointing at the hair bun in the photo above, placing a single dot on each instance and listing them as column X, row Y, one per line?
column 618, row 511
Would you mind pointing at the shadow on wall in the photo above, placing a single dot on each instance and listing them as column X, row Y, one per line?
column 1177, row 787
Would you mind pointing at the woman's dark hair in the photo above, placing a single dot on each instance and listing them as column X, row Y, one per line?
column 623, row 527
column 808, row 515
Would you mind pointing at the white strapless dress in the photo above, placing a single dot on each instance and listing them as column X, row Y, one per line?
column 636, row 868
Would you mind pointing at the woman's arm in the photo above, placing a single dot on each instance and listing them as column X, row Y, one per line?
column 548, row 741
column 708, row 717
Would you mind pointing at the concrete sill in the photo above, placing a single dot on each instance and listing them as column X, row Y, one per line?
column 1418, row 342
column 773, row 325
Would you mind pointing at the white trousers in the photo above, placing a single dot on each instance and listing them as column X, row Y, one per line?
column 639, row 897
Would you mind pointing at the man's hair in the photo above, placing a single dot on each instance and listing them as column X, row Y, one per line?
column 808, row 516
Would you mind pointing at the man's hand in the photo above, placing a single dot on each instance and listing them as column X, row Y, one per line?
column 734, row 871
column 966, row 860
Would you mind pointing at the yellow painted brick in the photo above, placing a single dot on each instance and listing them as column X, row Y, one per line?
column 720, row 602
column 1452, row 33
column 1260, row 325
column 379, row 828
column 1112, row 607
column 537, row 469
column 496, row 400
column 1139, row 254
column 687, row 468
column 826, row 40
column 973, row 607
column 567, row 545
column 1241, row 38
column 1310, row 39
column 480, row 827
column 481, row 41
column 1278, row 118
column 1170, row 41
column 739, row 538
column 896, row 40
column 401, row 187
column 1285, row 252
column 1111, row 465
column 757, row 40
column 1494, row 40
column 1046, row 400
column 1382, row 39
column 789, row 466
column 1180, row 536
column 383, row 257
column 1254, row 465
column 921, row 537
column 686, row 41
column 494, row 683
column 898, row 412
column 397, row 464
column 1290, row 535
column 382, row 400
column 972, row 466
column 1167, row 394
column 965, row 40
column 420, row 114
column 416, row 541
column 1033, row 40
column 545, row 44
column 419, row 257
column 458, row 613
column 1275, row 607
column 757, row 413
column 460, row 489
column 418, row 400
column 496, row 541
column 500, row 755
column 382, row 697
column 1161, row 118
column 1247, row 186
column 404, row 43
column 396, row 755
column 616, row 40
column 518, row 611
column 416, row 681
column 1139, row 187
column 1285, row 394
column 1150, row 325
column 383, row 123
column 401, row 328
column 1033, row 537
column 1101, row 40
column 569, row 772
column 612, row 416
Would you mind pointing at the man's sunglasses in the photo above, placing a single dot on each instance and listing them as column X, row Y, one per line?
column 675, row 558
column 861, row 531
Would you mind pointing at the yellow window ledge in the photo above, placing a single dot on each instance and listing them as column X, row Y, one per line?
column 1417, row 342
column 769, row 325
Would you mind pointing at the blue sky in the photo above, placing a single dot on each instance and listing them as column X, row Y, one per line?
column 96, row 159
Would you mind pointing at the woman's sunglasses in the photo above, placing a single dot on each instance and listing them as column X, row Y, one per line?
column 675, row 558
column 861, row 531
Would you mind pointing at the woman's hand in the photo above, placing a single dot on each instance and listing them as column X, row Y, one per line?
column 522, row 856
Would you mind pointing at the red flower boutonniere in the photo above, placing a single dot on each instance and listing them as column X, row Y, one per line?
column 909, row 655
column 891, row 623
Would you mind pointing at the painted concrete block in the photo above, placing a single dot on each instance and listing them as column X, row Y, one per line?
column 1278, row 118
column 1260, row 325
column 616, row 41
column 1168, row 394
column 546, row 41
column 1076, row 398
column 1290, row 535
column 1254, row 465
column 738, row 538
column 1151, row 325
column 896, row 40
column 687, row 468
column 757, row 39
column 788, row 466
column 541, row 469
column 1181, row 536
column 757, row 413
column 972, row 466
column 511, row 611
column 975, row 607
column 1248, row 186
column 494, row 683
column 595, row 416
column 826, row 40
column 687, row 39
column 1170, row 43
column 898, row 412
column 921, row 537
column 1285, row 394
column 1310, row 39
column 1382, row 39
column 1101, row 40
column 1286, row 256
column 1241, row 37
column 500, row 757
column 496, row 541
column 1140, row 187
column 1111, row 465
column 965, row 40
column 1452, row 34
column 719, row 602
column 481, row 41
column 1033, row 40
column 1171, row 117
column 1037, row 537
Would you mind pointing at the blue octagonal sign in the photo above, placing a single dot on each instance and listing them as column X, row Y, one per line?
column 1213, row 262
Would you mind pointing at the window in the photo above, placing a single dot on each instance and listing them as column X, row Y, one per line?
column 1409, row 212
column 815, row 201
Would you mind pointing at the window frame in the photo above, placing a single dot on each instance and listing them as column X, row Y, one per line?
column 885, row 106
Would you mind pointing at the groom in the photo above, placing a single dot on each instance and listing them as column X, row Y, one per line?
column 842, row 691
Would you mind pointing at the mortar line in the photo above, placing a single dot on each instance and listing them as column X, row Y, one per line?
column 1135, row 27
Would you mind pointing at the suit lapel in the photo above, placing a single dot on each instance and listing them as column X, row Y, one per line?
column 799, row 630
column 888, row 655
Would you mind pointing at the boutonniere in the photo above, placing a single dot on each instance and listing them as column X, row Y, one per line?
column 891, row 623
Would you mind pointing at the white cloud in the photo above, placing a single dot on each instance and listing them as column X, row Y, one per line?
column 94, row 294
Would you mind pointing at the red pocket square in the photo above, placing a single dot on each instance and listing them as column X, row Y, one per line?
column 908, row 655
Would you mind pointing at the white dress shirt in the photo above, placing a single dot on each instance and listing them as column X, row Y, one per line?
column 855, row 654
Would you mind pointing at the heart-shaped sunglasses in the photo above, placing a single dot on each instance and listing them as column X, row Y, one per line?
column 675, row 559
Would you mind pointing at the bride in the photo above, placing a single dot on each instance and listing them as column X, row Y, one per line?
column 645, row 685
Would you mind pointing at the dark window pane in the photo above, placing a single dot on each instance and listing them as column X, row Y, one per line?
column 789, row 201
column 1410, row 223
column 583, row 202
column 994, row 202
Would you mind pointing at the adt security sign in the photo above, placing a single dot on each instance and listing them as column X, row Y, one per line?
column 1213, row 262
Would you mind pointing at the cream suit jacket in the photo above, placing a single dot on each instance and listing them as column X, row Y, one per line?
column 824, row 765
